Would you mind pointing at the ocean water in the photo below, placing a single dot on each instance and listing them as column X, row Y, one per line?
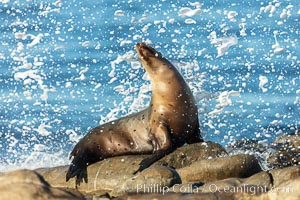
column 68, row 66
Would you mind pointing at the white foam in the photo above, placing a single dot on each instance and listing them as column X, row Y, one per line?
column 125, row 42
column 146, row 27
column 42, row 129
column 119, row 13
column 21, row 35
column 68, row 84
column 209, row 123
column 231, row 15
column 47, row 10
column 243, row 27
column 80, row 78
column 73, row 136
column 58, row 3
column 223, row 100
column 269, row 8
column 119, row 88
column 190, row 21
column 188, row 12
column 40, row 147
column 4, row 1
column 222, row 44
column 135, row 64
column 86, row 43
column 36, row 39
column 33, row 74
column 277, row 48
column 263, row 80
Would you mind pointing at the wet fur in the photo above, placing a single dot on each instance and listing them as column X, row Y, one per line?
column 170, row 121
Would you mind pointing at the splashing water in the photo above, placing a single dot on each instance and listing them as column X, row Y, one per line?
column 66, row 67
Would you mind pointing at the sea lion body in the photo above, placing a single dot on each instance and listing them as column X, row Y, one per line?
column 170, row 121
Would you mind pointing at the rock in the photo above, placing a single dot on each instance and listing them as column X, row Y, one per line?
column 293, row 139
column 186, row 155
column 263, row 179
column 152, row 179
column 260, row 150
column 287, row 151
column 103, row 177
column 258, row 183
column 173, row 196
column 240, row 166
column 289, row 190
column 56, row 176
column 111, row 173
column 282, row 175
column 246, row 146
column 28, row 185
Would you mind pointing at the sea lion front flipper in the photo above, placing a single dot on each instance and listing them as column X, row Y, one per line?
column 161, row 144
column 145, row 163
column 196, row 137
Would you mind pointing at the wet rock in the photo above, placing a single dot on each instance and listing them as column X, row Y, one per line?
column 289, row 190
column 152, row 179
column 286, row 151
column 56, row 176
column 246, row 146
column 258, row 183
column 173, row 196
column 293, row 139
column 186, row 155
column 28, row 185
column 285, row 174
column 103, row 177
column 240, row 166
column 98, row 197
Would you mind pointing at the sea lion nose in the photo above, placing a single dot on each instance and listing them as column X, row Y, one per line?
column 140, row 44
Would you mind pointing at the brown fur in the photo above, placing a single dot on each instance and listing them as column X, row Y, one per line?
column 169, row 122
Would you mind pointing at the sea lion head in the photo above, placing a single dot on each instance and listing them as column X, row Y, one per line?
column 152, row 61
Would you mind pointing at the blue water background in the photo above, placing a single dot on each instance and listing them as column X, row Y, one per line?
column 40, row 122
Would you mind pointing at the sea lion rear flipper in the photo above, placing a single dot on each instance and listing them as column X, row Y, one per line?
column 78, row 168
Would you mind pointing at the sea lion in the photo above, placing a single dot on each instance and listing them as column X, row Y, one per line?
column 170, row 121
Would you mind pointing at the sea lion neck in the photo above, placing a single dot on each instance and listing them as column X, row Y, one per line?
column 167, row 83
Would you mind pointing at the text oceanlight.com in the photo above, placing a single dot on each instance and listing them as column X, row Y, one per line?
column 189, row 188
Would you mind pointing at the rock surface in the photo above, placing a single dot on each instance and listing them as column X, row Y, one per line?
column 284, row 151
column 108, row 175
column 148, row 180
column 285, row 174
column 220, row 168
column 29, row 185
column 257, row 187
column 103, row 177
column 197, row 171
column 260, row 182
column 287, row 151
column 189, row 154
